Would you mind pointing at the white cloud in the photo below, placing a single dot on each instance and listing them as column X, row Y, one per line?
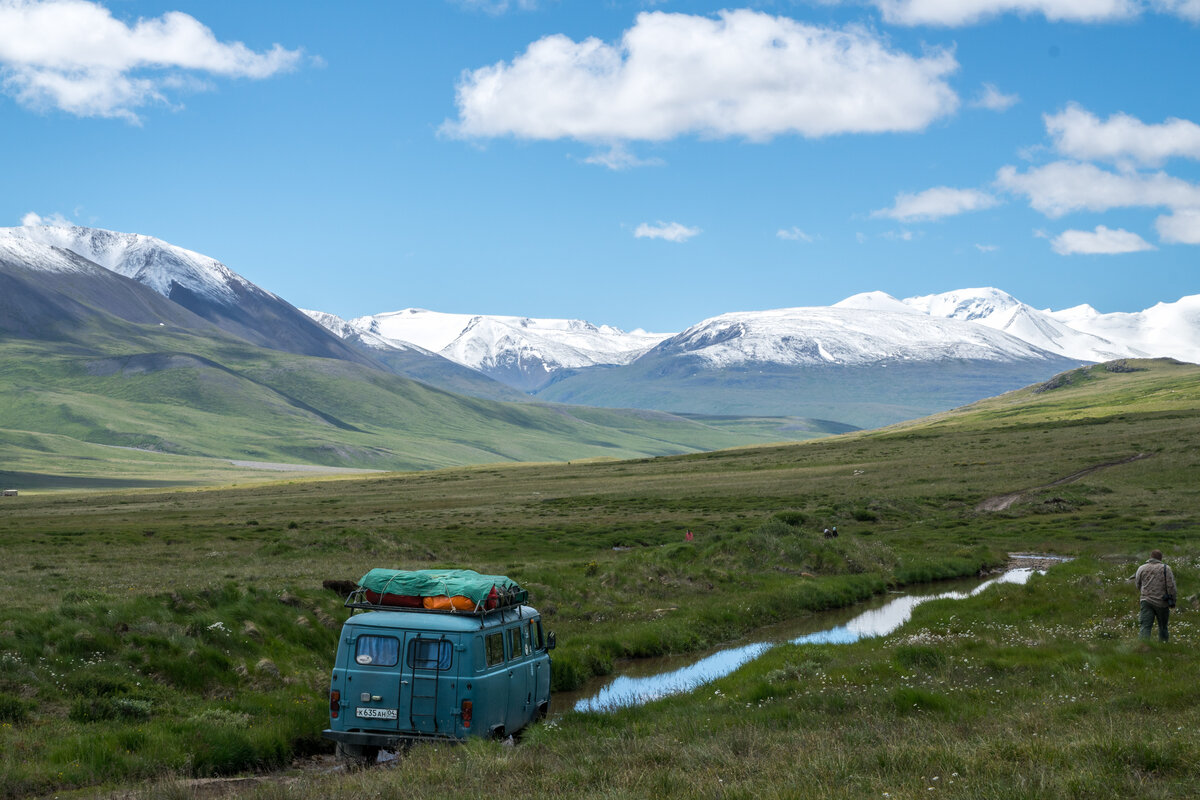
column 75, row 56
column 795, row 235
column 967, row 12
column 900, row 236
column 1102, row 241
column 1188, row 9
column 741, row 74
column 993, row 99
column 33, row 219
column 618, row 157
column 987, row 248
column 672, row 231
column 1181, row 227
column 1065, row 186
column 936, row 203
column 1121, row 138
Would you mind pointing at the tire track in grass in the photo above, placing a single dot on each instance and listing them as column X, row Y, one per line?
column 1002, row 502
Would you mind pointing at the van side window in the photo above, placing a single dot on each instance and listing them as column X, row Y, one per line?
column 525, row 639
column 539, row 638
column 377, row 651
column 514, row 642
column 495, row 649
column 429, row 654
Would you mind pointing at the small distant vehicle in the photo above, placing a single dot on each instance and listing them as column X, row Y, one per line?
column 436, row 655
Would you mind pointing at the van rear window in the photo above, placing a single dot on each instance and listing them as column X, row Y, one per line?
column 494, row 644
column 429, row 654
column 377, row 651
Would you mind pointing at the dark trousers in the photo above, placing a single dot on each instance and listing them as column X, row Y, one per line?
column 1147, row 616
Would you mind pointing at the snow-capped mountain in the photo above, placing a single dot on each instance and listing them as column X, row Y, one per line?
column 152, row 262
column 201, row 284
column 521, row 351
column 1003, row 312
column 414, row 361
column 824, row 336
column 1165, row 329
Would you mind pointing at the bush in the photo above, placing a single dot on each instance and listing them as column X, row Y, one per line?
column 12, row 709
column 98, row 709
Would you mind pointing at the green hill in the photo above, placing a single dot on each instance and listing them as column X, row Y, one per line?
column 180, row 393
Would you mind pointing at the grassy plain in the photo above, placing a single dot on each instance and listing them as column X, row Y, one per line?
column 151, row 636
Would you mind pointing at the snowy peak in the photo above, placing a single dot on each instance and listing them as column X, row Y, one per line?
column 521, row 351
column 149, row 261
column 1003, row 312
column 827, row 336
column 1164, row 329
column 876, row 301
column 971, row 305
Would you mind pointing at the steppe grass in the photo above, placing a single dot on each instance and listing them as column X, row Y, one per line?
column 1020, row 692
column 151, row 635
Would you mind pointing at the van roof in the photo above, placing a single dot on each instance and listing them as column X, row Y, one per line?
column 440, row 621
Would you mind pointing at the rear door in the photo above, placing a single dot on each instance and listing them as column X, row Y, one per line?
column 428, row 683
column 372, row 677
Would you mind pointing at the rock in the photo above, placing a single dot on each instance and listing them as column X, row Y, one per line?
column 251, row 630
column 267, row 667
column 289, row 599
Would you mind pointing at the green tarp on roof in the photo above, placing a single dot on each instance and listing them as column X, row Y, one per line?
column 436, row 582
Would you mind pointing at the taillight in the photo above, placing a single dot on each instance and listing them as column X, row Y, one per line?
column 335, row 704
column 466, row 713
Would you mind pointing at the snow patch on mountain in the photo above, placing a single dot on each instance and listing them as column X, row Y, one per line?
column 815, row 336
column 875, row 301
column 152, row 262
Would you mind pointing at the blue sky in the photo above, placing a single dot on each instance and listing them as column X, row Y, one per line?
column 641, row 164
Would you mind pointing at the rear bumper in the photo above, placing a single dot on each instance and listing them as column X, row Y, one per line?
column 387, row 741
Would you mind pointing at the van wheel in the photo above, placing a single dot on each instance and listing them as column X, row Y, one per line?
column 357, row 755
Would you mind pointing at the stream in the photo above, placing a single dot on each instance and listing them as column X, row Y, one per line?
column 641, row 681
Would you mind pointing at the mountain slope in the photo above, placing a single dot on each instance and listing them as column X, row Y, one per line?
column 201, row 284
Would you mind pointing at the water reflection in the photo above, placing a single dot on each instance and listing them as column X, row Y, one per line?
column 627, row 690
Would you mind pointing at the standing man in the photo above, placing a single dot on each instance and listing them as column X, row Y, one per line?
column 1156, row 583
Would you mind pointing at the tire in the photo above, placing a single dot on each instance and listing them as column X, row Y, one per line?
column 357, row 755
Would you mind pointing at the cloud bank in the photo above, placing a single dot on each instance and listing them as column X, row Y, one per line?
column 742, row 74
column 73, row 55
column 1078, row 133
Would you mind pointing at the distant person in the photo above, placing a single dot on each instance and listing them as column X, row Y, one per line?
column 689, row 537
column 1156, row 583
column 828, row 534
column 833, row 533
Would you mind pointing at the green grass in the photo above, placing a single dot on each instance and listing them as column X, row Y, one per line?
column 150, row 636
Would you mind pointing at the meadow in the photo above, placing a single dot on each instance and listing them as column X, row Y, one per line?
column 150, row 637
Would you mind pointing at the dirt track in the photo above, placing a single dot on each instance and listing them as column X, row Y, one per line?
column 1002, row 502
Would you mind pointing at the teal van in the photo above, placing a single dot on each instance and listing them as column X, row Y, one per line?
column 436, row 655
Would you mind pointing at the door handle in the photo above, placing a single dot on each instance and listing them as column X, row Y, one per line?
column 404, row 683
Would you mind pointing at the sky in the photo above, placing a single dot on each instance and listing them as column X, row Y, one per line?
column 635, row 163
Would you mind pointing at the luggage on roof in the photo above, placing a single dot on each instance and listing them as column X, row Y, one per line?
column 457, row 590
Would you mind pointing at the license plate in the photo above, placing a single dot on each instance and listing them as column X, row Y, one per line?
column 375, row 713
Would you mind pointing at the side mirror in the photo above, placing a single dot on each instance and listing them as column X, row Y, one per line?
column 551, row 641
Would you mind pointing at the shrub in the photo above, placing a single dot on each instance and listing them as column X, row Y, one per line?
column 12, row 709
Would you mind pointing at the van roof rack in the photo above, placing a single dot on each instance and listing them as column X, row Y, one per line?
column 363, row 599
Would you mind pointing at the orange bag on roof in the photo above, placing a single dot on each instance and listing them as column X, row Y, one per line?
column 456, row 603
